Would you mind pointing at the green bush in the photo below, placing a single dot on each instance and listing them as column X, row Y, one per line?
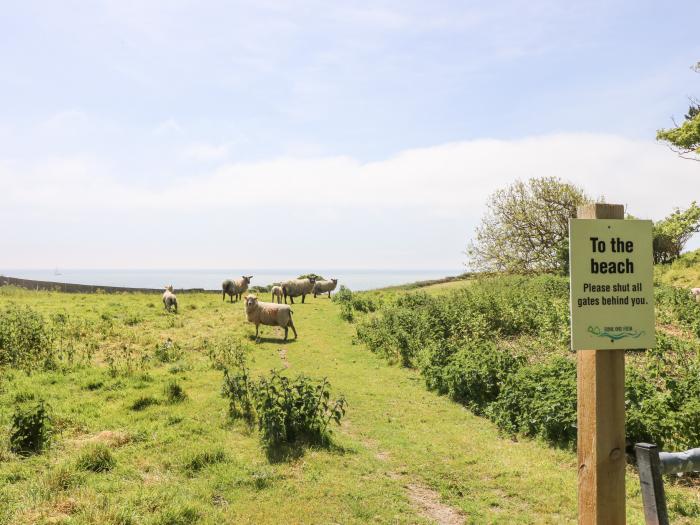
column 26, row 339
column 31, row 429
column 662, row 395
column 286, row 410
column 351, row 302
column 296, row 409
column 677, row 305
column 472, row 375
column 539, row 400
column 343, row 295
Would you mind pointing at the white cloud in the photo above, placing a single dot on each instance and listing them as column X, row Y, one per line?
column 168, row 127
column 415, row 209
column 451, row 177
column 206, row 152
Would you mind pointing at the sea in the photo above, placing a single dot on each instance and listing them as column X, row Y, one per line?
column 211, row 279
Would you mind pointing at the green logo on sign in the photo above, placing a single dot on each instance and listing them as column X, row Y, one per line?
column 616, row 336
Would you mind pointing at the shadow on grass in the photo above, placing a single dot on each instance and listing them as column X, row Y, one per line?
column 287, row 452
column 273, row 340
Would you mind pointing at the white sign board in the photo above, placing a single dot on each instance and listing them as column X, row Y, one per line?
column 612, row 284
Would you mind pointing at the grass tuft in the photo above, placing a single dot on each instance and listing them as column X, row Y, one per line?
column 96, row 458
column 143, row 402
column 204, row 459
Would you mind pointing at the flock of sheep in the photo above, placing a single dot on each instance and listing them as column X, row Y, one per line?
column 268, row 314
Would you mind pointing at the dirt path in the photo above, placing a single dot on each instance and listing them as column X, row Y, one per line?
column 425, row 501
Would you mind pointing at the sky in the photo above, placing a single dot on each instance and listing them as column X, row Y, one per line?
column 272, row 134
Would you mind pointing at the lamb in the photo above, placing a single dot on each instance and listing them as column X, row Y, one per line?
column 296, row 287
column 695, row 292
column 321, row 287
column 269, row 314
column 169, row 298
column 277, row 292
column 235, row 287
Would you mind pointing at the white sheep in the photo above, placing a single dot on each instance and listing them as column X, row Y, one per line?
column 169, row 298
column 695, row 292
column 277, row 292
column 321, row 287
column 296, row 287
column 236, row 287
column 269, row 314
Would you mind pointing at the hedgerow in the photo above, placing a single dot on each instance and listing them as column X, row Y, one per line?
column 500, row 346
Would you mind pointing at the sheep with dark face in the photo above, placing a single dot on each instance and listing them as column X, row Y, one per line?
column 296, row 287
column 169, row 298
column 321, row 287
column 235, row 287
column 269, row 314
column 276, row 294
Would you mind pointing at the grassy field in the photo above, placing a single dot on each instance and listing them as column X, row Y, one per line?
column 402, row 454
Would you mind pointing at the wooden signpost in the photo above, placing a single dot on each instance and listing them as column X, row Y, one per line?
column 612, row 308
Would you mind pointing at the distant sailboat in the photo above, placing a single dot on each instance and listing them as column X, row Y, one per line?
column 56, row 272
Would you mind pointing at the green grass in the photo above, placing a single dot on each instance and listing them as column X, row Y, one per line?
column 187, row 463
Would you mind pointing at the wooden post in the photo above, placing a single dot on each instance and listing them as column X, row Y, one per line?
column 601, row 420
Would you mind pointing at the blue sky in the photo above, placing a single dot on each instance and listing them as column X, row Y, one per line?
column 279, row 134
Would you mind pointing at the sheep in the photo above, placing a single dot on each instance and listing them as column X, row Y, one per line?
column 695, row 292
column 296, row 287
column 321, row 287
column 169, row 298
column 235, row 287
column 277, row 292
column 269, row 314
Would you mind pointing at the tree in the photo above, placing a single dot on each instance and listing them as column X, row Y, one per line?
column 685, row 138
column 672, row 233
column 526, row 227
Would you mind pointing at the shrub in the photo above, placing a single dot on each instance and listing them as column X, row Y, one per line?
column 286, row 410
column 678, row 305
column 31, row 429
column 473, row 374
column 539, row 400
column 343, row 295
column 296, row 409
column 25, row 339
column 351, row 302
column 661, row 395
column 96, row 458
